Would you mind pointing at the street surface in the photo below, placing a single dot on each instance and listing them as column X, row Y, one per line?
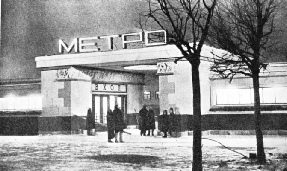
column 81, row 152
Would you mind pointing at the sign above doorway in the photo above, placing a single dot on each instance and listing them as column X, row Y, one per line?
column 109, row 88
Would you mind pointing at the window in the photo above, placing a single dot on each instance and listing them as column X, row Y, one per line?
column 147, row 95
column 245, row 96
column 32, row 102
column 267, row 95
column 156, row 95
column 281, row 95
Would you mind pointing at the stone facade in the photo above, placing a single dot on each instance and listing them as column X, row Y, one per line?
column 176, row 89
column 55, row 95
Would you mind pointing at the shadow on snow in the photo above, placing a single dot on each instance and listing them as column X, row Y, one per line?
column 126, row 158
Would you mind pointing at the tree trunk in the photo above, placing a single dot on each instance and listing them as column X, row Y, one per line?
column 197, row 153
column 261, row 158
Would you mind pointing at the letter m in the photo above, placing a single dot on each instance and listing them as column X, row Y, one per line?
column 63, row 46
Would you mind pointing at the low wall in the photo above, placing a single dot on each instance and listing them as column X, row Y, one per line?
column 61, row 124
column 19, row 122
column 31, row 123
column 132, row 118
column 231, row 122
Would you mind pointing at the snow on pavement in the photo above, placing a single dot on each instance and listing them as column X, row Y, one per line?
column 81, row 152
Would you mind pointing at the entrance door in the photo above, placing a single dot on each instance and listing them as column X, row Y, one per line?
column 101, row 104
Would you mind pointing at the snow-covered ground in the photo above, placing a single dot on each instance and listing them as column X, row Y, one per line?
column 81, row 152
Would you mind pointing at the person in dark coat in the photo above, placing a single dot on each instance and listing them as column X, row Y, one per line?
column 151, row 121
column 172, row 122
column 119, row 123
column 110, row 125
column 143, row 120
column 90, row 121
column 164, row 124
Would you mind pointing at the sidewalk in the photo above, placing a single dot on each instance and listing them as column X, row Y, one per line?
column 81, row 152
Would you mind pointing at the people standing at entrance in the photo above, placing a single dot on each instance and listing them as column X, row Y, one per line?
column 151, row 121
column 172, row 122
column 110, row 125
column 90, row 121
column 165, row 124
column 143, row 120
column 119, row 123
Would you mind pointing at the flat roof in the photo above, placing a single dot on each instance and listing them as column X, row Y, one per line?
column 124, row 57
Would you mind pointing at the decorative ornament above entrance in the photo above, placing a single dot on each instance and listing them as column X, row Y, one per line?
column 106, row 76
column 165, row 68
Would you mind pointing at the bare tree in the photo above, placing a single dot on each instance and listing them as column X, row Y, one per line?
column 243, row 28
column 187, row 24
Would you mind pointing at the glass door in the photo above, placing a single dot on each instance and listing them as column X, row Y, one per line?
column 101, row 104
column 97, row 108
column 104, row 109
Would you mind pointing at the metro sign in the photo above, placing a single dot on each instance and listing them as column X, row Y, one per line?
column 82, row 44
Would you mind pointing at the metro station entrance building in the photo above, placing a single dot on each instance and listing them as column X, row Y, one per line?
column 72, row 83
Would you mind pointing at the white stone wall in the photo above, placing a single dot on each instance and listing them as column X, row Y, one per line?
column 81, row 97
column 205, row 86
column 183, row 87
column 134, row 98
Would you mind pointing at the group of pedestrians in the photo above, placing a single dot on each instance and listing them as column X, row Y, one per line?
column 146, row 121
column 115, row 124
column 168, row 124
